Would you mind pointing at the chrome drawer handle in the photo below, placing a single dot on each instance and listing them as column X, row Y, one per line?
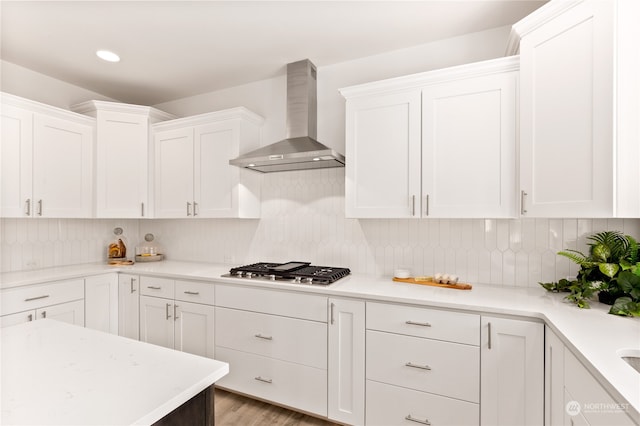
column 193, row 293
column 260, row 379
column 413, row 419
column 30, row 317
column 29, row 299
column 421, row 367
column 260, row 336
column 154, row 287
column 421, row 324
column 167, row 311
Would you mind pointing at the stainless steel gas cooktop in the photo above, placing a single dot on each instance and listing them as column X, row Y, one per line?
column 294, row 272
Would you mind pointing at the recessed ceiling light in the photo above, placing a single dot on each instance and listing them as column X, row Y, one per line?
column 108, row 56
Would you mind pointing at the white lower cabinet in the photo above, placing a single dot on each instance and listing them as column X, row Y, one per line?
column 129, row 306
column 60, row 300
column 395, row 405
column 554, row 408
column 276, row 345
column 346, row 368
column 412, row 378
column 512, row 372
column 101, row 302
column 586, row 401
column 174, row 322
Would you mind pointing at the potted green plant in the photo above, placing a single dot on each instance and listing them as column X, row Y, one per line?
column 611, row 269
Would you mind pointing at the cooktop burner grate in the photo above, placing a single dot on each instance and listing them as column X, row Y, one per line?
column 300, row 272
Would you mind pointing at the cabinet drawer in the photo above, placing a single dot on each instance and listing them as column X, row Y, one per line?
column 159, row 287
column 423, row 322
column 444, row 368
column 195, row 291
column 392, row 405
column 36, row 296
column 296, row 305
column 293, row 385
column 287, row 339
column 583, row 388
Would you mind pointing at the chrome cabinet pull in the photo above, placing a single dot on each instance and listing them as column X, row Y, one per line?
column 44, row 314
column 188, row 208
column 142, row 209
column 27, row 203
column 489, row 325
column 260, row 336
column 152, row 287
column 39, row 207
column 175, row 312
column 261, row 379
column 193, row 293
column 421, row 324
column 167, row 310
column 195, row 208
column 332, row 308
column 30, row 317
column 413, row 205
column 413, row 419
column 522, row 209
column 426, row 202
column 132, row 281
column 421, row 367
column 29, row 299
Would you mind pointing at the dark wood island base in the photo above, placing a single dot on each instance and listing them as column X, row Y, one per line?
column 198, row 411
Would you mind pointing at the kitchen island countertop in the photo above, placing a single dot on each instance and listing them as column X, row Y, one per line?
column 57, row 373
column 593, row 335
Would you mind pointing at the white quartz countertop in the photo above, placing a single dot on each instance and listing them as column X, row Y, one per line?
column 55, row 373
column 594, row 336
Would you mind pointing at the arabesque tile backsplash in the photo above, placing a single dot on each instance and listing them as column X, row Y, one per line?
column 303, row 219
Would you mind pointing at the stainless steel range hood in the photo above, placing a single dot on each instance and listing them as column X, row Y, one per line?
column 300, row 150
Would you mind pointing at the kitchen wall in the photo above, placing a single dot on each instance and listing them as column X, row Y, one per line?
column 303, row 219
column 303, row 212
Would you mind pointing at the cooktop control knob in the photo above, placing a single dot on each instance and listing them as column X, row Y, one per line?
column 309, row 280
column 297, row 280
column 272, row 277
column 249, row 275
column 239, row 274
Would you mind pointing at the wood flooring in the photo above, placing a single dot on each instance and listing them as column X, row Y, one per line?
column 236, row 410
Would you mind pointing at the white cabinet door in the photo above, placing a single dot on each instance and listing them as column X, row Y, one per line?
column 194, row 328
column 511, row 372
column 215, row 189
column 554, row 411
column 156, row 321
column 174, row 173
column 346, row 367
column 129, row 306
column 62, row 167
column 15, row 162
column 566, row 113
column 121, row 167
column 383, row 152
column 101, row 302
column 469, row 147
column 70, row 312
column 17, row 318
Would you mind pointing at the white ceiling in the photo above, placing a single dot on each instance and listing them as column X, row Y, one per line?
column 175, row 49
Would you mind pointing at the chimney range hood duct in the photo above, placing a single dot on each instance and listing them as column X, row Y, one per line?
column 300, row 150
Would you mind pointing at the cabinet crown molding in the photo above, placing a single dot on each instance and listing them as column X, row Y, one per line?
column 534, row 20
column 40, row 108
column 209, row 117
column 93, row 106
column 412, row 81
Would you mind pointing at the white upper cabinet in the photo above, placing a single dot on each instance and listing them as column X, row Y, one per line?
column 122, row 157
column 47, row 159
column 193, row 177
column 579, row 110
column 435, row 144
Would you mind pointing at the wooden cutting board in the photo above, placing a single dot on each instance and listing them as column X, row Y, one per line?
column 457, row 286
